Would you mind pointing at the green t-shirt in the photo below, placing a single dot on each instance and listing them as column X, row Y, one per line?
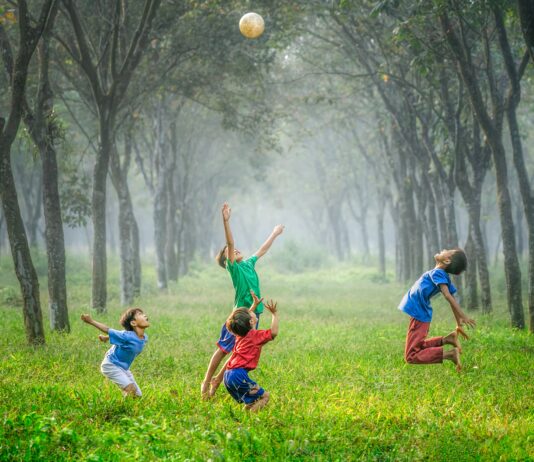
column 244, row 278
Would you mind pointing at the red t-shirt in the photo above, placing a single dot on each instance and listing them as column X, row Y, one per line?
column 247, row 349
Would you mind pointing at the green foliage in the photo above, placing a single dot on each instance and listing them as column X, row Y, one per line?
column 340, row 389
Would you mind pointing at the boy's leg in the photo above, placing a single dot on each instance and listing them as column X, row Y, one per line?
column 218, row 379
column 454, row 356
column 124, row 379
column 419, row 349
column 212, row 367
column 225, row 345
column 452, row 339
column 135, row 390
column 259, row 403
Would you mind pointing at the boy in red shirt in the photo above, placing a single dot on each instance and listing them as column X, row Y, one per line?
column 246, row 354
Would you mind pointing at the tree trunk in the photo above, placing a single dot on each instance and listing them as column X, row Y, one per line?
column 526, row 16
column 171, row 258
column 471, row 272
column 381, row 239
column 481, row 255
column 24, row 269
column 128, row 230
column 100, row 172
column 512, row 101
column 160, row 223
column 42, row 128
column 511, row 263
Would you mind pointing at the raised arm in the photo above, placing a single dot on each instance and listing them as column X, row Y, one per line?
column 273, row 308
column 461, row 317
column 278, row 229
column 226, row 212
column 255, row 301
column 86, row 318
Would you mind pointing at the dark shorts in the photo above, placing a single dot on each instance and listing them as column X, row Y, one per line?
column 242, row 388
column 226, row 340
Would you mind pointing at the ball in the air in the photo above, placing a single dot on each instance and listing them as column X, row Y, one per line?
column 251, row 25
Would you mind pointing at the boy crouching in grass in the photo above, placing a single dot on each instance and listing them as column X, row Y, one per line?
column 125, row 346
column 246, row 354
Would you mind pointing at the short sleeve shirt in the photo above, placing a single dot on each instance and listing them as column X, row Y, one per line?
column 126, row 345
column 416, row 302
column 244, row 278
column 247, row 349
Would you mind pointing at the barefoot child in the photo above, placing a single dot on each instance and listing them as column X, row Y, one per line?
column 416, row 303
column 246, row 354
column 126, row 345
column 244, row 279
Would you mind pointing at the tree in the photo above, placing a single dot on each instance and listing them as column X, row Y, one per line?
column 28, row 37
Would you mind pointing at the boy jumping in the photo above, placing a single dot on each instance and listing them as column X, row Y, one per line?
column 247, row 350
column 126, row 345
column 244, row 279
column 416, row 303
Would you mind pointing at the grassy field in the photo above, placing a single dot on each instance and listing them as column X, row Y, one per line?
column 339, row 387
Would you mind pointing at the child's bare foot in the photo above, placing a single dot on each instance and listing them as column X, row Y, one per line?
column 452, row 339
column 454, row 356
column 214, row 384
column 205, row 390
column 258, row 404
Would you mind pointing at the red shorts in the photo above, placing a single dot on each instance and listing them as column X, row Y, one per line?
column 419, row 349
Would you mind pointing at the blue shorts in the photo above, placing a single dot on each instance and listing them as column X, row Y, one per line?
column 226, row 340
column 242, row 388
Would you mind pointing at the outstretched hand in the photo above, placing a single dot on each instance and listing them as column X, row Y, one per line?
column 461, row 332
column 226, row 211
column 255, row 301
column 278, row 229
column 272, row 306
column 86, row 318
column 464, row 321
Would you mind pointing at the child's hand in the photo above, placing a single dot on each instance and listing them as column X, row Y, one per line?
column 86, row 318
column 255, row 300
column 278, row 229
column 103, row 338
column 226, row 211
column 467, row 321
column 461, row 332
column 272, row 306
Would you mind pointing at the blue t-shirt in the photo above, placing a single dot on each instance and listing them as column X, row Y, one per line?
column 126, row 346
column 416, row 302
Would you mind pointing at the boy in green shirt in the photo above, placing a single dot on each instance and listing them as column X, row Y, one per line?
column 244, row 279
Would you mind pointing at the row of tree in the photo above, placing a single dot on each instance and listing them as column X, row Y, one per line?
column 401, row 107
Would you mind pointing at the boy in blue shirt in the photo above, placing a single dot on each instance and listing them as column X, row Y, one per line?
column 416, row 303
column 245, row 281
column 126, row 345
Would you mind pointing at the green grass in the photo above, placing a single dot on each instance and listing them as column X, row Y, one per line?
column 339, row 387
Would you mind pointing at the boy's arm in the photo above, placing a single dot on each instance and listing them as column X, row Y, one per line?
column 273, row 308
column 255, row 301
column 278, row 229
column 86, row 318
column 461, row 317
column 226, row 211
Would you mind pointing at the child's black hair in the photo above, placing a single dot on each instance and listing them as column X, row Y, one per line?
column 458, row 262
column 238, row 323
column 221, row 257
column 128, row 316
